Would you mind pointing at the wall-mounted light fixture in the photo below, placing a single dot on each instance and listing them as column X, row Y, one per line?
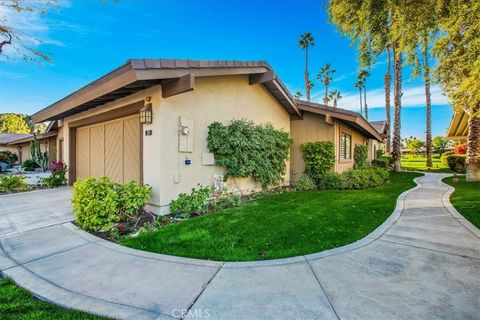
column 146, row 113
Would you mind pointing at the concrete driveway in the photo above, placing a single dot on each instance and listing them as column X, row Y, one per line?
column 25, row 211
column 422, row 263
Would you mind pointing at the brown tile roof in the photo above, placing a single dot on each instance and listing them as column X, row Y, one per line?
column 380, row 126
column 138, row 74
column 9, row 137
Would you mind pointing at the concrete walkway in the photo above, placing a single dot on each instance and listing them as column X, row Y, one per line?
column 422, row 263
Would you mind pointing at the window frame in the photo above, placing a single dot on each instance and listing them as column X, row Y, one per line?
column 342, row 147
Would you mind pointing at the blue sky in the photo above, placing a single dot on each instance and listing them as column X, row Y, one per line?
column 88, row 38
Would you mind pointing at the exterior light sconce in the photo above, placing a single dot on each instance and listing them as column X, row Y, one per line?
column 146, row 113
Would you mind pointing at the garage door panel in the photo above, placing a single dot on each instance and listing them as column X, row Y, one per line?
column 97, row 151
column 131, row 150
column 82, row 153
column 114, row 151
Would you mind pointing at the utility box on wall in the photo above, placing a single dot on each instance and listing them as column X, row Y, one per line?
column 185, row 135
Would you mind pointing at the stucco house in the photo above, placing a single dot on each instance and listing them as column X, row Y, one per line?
column 20, row 144
column 147, row 121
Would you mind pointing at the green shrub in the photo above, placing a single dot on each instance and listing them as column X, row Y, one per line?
column 364, row 178
column 29, row 165
column 305, row 183
column 131, row 197
column 8, row 157
column 354, row 179
column 224, row 199
column 10, row 183
column 99, row 203
column 360, row 156
column 444, row 157
column 319, row 158
column 456, row 162
column 58, row 177
column 246, row 149
column 332, row 181
column 381, row 162
column 196, row 202
column 379, row 153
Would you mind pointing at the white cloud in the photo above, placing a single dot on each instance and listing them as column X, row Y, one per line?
column 412, row 97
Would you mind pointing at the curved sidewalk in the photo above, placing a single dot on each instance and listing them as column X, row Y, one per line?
column 422, row 263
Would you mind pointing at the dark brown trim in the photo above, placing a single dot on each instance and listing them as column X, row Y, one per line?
column 258, row 78
column 183, row 84
column 72, row 156
column 30, row 138
column 122, row 112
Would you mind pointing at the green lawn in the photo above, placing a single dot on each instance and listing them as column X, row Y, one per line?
column 279, row 226
column 466, row 199
column 418, row 163
column 17, row 303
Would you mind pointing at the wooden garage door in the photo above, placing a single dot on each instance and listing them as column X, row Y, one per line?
column 109, row 149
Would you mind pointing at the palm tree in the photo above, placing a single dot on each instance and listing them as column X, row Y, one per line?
column 298, row 95
column 359, row 85
column 363, row 76
column 335, row 96
column 397, row 105
column 324, row 76
column 426, row 78
column 386, row 80
column 306, row 40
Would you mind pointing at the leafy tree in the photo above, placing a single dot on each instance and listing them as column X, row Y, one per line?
column 306, row 41
column 419, row 26
column 17, row 39
column 440, row 144
column 324, row 76
column 413, row 144
column 335, row 96
column 14, row 123
column 371, row 25
column 458, row 71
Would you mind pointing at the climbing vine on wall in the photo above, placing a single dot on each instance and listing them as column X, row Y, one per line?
column 247, row 149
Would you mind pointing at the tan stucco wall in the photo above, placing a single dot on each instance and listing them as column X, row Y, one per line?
column 311, row 128
column 214, row 99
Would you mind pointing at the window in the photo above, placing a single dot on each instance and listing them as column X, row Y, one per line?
column 345, row 146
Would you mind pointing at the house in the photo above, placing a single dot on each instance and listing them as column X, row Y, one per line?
column 147, row 121
column 343, row 128
column 381, row 128
column 458, row 129
column 6, row 138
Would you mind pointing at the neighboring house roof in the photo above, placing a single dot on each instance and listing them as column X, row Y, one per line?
column 380, row 126
column 29, row 137
column 351, row 118
column 139, row 74
column 6, row 138
column 458, row 128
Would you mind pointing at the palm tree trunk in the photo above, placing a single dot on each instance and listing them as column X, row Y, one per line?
column 365, row 99
column 325, row 99
column 360, row 95
column 387, row 79
column 426, row 77
column 307, row 87
column 334, row 103
column 397, row 105
column 473, row 145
